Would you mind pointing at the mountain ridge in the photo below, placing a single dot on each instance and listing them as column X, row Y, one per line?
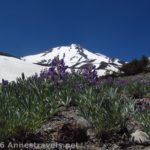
column 76, row 57
column 7, row 54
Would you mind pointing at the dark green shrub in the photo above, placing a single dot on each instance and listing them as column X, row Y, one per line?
column 136, row 66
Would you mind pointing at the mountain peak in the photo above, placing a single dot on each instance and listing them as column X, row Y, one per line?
column 75, row 46
column 76, row 57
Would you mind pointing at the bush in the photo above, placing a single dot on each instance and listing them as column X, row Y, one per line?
column 105, row 109
column 136, row 66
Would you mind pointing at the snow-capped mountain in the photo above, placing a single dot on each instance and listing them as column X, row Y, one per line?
column 74, row 56
column 77, row 57
column 12, row 67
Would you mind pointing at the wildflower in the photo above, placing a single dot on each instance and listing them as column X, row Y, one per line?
column 4, row 82
column 90, row 74
column 56, row 71
column 43, row 73
column 78, row 87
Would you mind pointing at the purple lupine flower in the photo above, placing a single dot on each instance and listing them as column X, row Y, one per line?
column 59, row 66
column 43, row 73
column 78, row 87
column 51, row 71
column 90, row 74
column 62, row 62
column 121, row 83
column 147, row 83
column 56, row 71
column 4, row 82
column 54, row 61
column 110, row 79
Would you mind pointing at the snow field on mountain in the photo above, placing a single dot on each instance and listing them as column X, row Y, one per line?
column 11, row 68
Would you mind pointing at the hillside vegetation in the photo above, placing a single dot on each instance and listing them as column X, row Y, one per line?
column 107, row 104
column 136, row 66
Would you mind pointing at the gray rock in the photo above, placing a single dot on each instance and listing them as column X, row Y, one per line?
column 140, row 137
column 83, row 123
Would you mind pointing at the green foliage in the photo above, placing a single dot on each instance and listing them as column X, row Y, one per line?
column 105, row 109
column 144, row 118
column 136, row 66
column 136, row 89
column 26, row 103
column 146, row 121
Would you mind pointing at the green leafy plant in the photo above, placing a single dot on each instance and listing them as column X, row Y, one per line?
column 26, row 103
column 106, row 110
column 136, row 89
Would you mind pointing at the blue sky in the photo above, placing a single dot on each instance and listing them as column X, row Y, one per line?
column 116, row 28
